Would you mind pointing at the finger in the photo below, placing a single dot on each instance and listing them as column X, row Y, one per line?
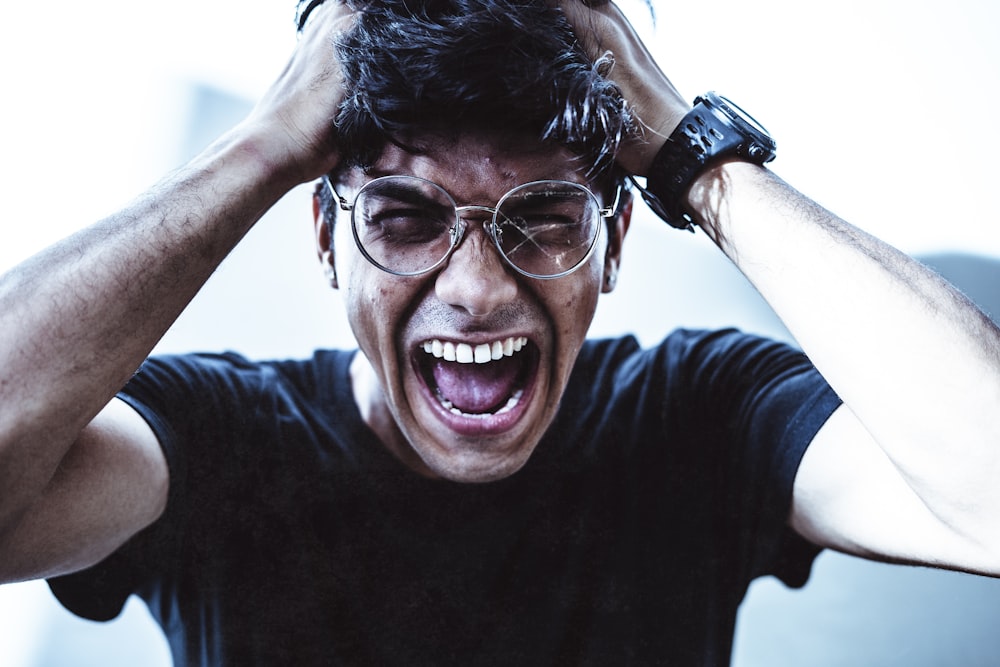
column 313, row 16
column 309, row 9
column 603, row 28
column 303, row 11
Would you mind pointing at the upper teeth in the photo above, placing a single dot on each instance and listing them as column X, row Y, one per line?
column 464, row 353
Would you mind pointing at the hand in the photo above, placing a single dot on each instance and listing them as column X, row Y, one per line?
column 603, row 29
column 294, row 120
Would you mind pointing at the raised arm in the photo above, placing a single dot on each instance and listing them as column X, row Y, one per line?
column 907, row 468
column 79, row 475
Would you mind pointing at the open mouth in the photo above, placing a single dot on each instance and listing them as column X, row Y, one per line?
column 479, row 381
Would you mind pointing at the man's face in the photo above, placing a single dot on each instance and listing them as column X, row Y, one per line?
column 466, row 422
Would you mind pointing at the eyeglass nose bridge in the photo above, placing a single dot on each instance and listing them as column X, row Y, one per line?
column 458, row 232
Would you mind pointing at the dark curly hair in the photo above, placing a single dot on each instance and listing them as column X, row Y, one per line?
column 414, row 66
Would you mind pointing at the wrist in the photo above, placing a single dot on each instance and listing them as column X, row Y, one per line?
column 709, row 199
column 246, row 169
column 654, row 133
column 282, row 160
column 271, row 160
column 714, row 131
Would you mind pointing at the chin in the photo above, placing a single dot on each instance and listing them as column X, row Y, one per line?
column 476, row 467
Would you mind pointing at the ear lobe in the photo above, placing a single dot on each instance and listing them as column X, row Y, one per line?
column 324, row 241
column 329, row 270
column 610, row 279
column 613, row 254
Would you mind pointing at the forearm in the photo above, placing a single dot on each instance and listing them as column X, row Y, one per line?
column 916, row 362
column 78, row 319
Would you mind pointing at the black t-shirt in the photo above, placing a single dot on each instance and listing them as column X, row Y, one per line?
column 292, row 537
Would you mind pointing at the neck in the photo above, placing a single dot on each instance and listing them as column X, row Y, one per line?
column 370, row 399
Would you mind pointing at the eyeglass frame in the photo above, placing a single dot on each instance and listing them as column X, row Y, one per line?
column 489, row 226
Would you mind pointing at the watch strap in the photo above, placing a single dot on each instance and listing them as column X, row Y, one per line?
column 711, row 130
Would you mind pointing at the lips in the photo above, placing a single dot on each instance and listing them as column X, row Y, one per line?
column 478, row 385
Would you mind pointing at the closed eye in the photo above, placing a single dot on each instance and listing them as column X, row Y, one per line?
column 404, row 225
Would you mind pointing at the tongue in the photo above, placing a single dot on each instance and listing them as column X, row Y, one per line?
column 477, row 388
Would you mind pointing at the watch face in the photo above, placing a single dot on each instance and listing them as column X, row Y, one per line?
column 743, row 115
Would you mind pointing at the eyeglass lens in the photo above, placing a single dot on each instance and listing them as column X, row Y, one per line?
column 408, row 225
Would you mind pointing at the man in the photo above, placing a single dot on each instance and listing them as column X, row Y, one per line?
column 558, row 502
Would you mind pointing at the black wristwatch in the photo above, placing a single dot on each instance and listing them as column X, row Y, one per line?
column 715, row 128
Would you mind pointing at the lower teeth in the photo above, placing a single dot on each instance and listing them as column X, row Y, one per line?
column 506, row 407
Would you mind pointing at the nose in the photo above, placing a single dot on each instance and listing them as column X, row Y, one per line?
column 475, row 277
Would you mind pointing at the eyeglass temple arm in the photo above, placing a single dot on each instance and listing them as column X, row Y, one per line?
column 340, row 200
column 610, row 210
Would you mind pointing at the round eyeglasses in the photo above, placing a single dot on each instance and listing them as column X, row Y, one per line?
column 407, row 225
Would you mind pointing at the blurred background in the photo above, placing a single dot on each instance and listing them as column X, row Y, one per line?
column 883, row 111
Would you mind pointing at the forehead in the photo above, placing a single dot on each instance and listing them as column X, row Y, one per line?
column 473, row 167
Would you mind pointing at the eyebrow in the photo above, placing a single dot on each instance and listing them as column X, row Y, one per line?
column 411, row 195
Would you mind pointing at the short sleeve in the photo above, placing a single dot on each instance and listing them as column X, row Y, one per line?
column 758, row 403
column 708, row 429
column 185, row 400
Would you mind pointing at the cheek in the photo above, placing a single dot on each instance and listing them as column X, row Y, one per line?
column 378, row 308
column 362, row 288
column 367, row 309
column 576, row 303
column 589, row 281
column 361, row 297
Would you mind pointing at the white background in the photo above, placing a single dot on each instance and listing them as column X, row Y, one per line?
column 884, row 111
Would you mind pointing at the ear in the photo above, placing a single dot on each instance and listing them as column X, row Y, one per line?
column 613, row 254
column 324, row 239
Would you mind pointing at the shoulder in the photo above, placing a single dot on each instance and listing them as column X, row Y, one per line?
column 213, row 405
column 724, row 381
column 233, row 373
column 685, row 350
